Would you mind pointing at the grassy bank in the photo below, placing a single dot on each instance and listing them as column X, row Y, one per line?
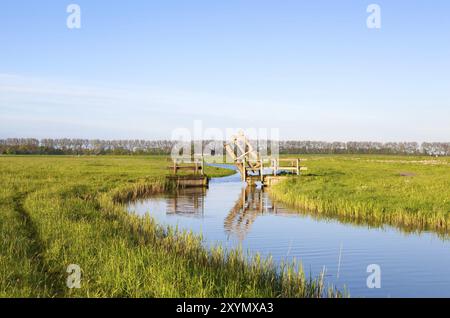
column 57, row 211
column 410, row 192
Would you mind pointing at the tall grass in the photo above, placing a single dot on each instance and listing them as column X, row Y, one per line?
column 412, row 193
column 57, row 211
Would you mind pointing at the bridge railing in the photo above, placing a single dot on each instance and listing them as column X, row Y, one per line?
column 196, row 166
column 277, row 166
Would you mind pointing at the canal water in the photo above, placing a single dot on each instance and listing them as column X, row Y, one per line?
column 234, row 215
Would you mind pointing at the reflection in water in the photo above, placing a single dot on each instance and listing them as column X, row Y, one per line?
column 188, row 202
column 254, row 201
column 250, row 204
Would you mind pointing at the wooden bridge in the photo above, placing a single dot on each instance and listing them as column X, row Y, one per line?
column 195, row 176
column 254, row 168
column 196, row 166
column 249, row 162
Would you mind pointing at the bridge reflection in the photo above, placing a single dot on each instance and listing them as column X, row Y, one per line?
column 251, row 203
column 187, row 202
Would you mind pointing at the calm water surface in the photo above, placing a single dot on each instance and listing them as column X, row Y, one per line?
column 231, row 214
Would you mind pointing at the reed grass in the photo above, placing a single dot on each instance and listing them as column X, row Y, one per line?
column 412, row 193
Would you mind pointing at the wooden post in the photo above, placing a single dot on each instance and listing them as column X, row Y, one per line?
column 244, row 170
column 298, row 167
column 262, row 171
column 175, row 166
column 203, row 165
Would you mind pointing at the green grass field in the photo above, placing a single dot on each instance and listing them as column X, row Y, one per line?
column 412, row 193
column 57, row 211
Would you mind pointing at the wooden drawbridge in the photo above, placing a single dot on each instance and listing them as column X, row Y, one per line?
column 253, row 167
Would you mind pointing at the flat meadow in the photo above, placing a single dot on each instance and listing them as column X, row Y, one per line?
column 62, row 210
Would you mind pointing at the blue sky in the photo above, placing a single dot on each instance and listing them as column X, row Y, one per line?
column 140, row 69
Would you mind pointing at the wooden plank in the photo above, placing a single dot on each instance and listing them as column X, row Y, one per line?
column 185, row 167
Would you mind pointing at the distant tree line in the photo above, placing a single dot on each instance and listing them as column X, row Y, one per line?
column 365, row 147
column 68, row 146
